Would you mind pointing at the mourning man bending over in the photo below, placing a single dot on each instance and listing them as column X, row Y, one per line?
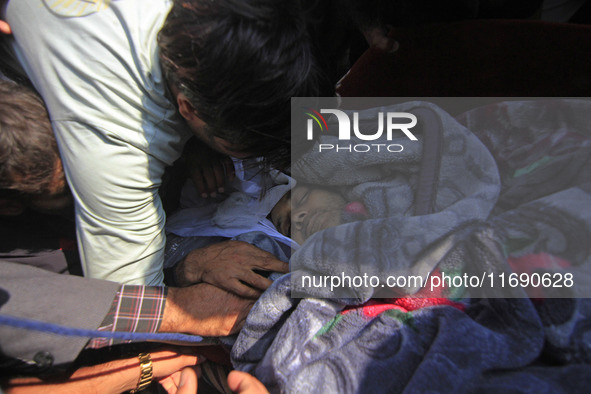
column 127, row 83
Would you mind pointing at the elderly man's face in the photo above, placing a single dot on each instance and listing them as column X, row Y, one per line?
column 307, row 210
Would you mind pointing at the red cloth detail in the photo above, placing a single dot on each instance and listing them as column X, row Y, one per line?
column 374, row 307
column 534, row 262
column 356, row 208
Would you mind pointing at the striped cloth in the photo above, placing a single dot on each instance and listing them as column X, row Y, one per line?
column 134, row 309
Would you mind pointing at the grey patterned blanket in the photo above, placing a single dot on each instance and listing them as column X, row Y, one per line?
column 505, row 190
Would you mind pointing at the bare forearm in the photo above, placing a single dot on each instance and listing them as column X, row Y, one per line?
column 204, row 310
column 113, row 377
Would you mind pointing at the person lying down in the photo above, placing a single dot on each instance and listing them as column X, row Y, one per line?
column 308, row 209
column 287, row 213
column 278, row 223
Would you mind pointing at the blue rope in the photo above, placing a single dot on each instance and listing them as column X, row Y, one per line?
column 57, row 329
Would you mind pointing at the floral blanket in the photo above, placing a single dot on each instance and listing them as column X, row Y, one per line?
column 454, row 339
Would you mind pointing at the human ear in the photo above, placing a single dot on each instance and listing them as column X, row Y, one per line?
column 190, row 114
column 186, row 109
column 5, row 27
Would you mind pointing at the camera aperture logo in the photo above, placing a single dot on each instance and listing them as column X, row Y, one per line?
column 389, row 122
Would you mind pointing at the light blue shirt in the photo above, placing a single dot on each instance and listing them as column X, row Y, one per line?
column 96, row 66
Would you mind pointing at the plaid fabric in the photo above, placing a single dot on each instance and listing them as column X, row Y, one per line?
column 134, row 309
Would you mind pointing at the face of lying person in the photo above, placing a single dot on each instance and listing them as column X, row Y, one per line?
column 306, row 210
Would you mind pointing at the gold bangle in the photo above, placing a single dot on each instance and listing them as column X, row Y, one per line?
column 145, row 372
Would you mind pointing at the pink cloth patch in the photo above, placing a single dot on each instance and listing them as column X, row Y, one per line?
column 356, row 208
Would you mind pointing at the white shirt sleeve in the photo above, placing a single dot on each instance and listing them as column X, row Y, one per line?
column 119, row 215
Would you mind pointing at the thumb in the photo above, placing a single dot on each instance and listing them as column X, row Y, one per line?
column 244, row 383
column 188, row 381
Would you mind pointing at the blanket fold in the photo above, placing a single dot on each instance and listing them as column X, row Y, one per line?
column 512, row 197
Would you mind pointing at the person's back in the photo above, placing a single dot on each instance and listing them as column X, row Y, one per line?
column 116, row 122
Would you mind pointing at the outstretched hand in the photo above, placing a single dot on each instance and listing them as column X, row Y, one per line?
column 230, row 265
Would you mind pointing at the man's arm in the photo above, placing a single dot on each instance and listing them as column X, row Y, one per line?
column 33, row 293
column 202, row 310
column 172, row 370
column 119, row 215
column 112, row 377
column 115, row 125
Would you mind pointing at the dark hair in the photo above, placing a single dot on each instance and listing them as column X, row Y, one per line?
column 28, row 150
column 239, row 62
